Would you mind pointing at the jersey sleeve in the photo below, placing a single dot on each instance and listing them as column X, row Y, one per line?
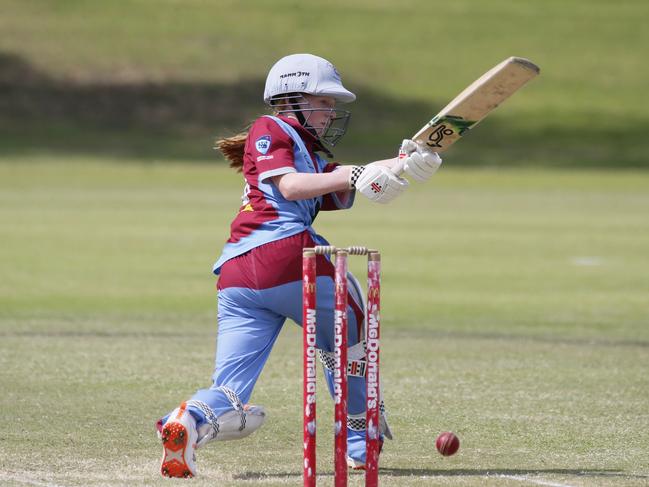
column 270, row 149
column 340, row 200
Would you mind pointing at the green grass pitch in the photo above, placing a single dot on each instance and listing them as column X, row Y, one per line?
column 514, row 284
column 514, row 313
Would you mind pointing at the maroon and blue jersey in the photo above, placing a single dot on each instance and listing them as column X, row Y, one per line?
column 276, row 146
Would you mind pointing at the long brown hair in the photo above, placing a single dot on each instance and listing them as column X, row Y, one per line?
column 233, row 148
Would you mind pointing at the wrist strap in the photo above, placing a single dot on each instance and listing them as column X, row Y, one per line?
column 355, row 174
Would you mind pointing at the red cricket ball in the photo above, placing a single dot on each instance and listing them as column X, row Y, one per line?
column 447, row 443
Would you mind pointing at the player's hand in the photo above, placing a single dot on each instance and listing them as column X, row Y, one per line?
column 378, row 183
column 418, row 161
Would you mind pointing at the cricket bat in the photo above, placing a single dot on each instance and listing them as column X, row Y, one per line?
column 474, row 103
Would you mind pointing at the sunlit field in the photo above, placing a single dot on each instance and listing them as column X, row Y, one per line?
column 514, row 313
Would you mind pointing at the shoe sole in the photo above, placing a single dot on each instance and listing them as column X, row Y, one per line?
column 174, row 443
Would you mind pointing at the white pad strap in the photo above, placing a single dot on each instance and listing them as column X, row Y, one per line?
column 357, row 422
column 236, row 404
column 232, row 425
column 356, row 367
column 355, row 360
column 211, row 427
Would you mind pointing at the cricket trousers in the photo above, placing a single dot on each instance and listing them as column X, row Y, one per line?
column 257, row 292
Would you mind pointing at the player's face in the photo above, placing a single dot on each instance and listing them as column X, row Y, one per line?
column 321, row 117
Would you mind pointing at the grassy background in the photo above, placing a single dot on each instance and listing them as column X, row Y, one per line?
column 514, row 283
column 160, row 79
column 517, row 319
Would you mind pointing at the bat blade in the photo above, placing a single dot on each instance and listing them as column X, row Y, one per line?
column 475, row 103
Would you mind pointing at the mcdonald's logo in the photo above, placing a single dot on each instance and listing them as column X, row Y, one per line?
column 373, row 292
column 309, row 287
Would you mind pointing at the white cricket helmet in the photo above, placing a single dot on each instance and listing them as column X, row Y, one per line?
column 305, row 73
column 298, row 74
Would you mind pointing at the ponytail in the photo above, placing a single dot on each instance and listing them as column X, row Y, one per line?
column 233, row 148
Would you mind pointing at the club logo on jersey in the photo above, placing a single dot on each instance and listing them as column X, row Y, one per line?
column 262, row 144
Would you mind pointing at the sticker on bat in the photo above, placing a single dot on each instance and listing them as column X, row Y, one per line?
column 445, row 127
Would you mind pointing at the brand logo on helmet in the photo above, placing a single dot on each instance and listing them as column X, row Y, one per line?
column 295, row 74
column 262, row 144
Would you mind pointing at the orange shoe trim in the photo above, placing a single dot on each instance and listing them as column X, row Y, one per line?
column 181, row 410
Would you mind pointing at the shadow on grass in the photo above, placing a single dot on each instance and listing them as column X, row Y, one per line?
column 40, row 114
column 460, row 472
column 160, row 120
column 415, row 333
column 559, row 339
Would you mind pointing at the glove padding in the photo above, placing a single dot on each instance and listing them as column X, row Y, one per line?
column 380, row 184
column 418, row 161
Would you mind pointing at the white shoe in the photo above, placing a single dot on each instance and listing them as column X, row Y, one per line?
column 358, row 464
column 178, row 437
column 355, row 464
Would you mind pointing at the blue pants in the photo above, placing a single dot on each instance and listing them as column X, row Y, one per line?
column 258, row 291
column 249, row 323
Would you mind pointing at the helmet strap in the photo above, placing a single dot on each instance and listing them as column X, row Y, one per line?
column 301, row 118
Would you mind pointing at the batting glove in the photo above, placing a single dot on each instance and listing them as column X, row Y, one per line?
column 418, row 161
column 377, row 183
